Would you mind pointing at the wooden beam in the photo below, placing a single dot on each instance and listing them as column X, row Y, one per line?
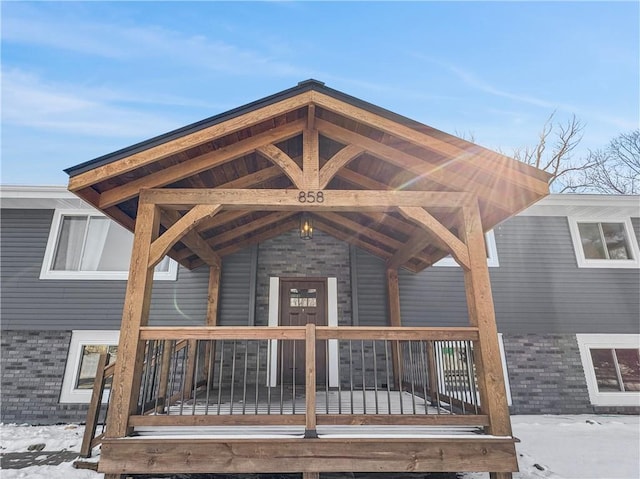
column 194, row 241
column 439, row 174
column 357, row 179
column 350, row 238
column 128, row 370
column 259, row 238
column 311, row 117
column 196, row 165
column 523, row 175
column 285, row 162
column 441, row 234
column 336, row 163
column 311, row 159
column 253, row 179
column 249, row 227
column 493, row 396
column 310, row 381
column 183, row 143
column 418, row 241
column 289, row 200
column 183, row 226
column 213, row 295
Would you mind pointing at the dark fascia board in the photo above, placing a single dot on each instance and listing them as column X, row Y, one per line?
column 302, row 87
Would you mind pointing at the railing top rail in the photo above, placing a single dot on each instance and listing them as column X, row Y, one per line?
column 298, row 333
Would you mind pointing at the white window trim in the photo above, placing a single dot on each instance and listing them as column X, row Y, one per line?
column 606, row 341
column 69, row 393
column 492, row 253
column 47, row 273
column 583, row 262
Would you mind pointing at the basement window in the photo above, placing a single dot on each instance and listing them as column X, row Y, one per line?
column 492, row 253
column 82, row 363
column 604, row 243
column 85, row 245
column 611, row 365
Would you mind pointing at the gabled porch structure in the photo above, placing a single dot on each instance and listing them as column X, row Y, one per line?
column 304, row 394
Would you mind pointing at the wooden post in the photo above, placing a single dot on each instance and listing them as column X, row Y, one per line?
column 165, row 368
column 213, row 299
column 393, row 292
column 310, row 378
column 94, row 407
column 432, row 372
column 128, row 370
column 493, row 397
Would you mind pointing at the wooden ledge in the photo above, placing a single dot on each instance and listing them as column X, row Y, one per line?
column 207, row 455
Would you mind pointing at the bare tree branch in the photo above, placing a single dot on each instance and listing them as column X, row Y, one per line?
column 617, row 166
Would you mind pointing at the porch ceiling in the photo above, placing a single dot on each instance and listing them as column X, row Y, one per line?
column 261, row 145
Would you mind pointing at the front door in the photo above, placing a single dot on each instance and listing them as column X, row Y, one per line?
column 302, row 301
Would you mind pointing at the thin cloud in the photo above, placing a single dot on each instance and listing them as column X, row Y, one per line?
column 28, row 101
column 136, row 43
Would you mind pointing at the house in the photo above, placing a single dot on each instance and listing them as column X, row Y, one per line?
column 367, row 322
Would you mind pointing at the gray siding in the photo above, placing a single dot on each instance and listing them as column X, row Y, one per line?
column 236, row 289
column 371, row 289
column 537, row 288
column 31, row 303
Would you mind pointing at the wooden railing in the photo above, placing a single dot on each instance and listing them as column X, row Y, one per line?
column 220, row 376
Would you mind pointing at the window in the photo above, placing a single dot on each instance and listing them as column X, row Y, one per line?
column 604, row 244
column 85, row 245
column 492, row 253
column 82, row 363
column 611, row 365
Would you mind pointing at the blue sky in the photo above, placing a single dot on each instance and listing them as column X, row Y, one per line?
column 82, row 79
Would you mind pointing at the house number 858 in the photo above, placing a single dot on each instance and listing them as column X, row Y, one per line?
column 311, row 197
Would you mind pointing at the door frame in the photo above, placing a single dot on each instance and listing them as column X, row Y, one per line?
column 332, row 320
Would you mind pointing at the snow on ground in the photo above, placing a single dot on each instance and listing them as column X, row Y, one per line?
column 552, row 447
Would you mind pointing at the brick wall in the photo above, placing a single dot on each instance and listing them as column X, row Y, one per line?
column 547, row 377
column 289, row 256
column 33, row 365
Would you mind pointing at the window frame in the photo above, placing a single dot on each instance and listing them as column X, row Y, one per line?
column 79, row 338
column 47, row 271
column 492, row 253
column 586, row 342
column 584, row 262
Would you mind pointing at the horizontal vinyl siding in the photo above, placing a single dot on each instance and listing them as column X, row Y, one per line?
column 235, row 289
column 539, row 287
column 31, row 303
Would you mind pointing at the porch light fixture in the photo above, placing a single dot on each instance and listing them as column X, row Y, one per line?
column 306, row 227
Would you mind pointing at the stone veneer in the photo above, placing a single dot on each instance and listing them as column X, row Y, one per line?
column 289, row 256
column 33, row 364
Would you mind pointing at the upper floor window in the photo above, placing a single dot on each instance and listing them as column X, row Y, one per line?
column 84, row 245
column 604, row 244
column 492, row 253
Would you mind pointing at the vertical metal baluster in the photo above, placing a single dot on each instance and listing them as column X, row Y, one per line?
column 461, row 375
column 351, row 374
column 195, row 376
column 293, row 379
column 472, row 376
column 281, row 357
column 423, row 356
column 233, row 375
column 244, row 378
column 450, row 367
column 437, row 359
column 173, row 372
column 375, row 375
column 364, row 373
column 257, row 373
column 326, row 375
column 161, row 354
column 401, row 376
column 220, row 374
column 339, row 379
column 386, row 365
column 183, row 375
column 269, row 376
column 412, row 376
column 209, row 375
